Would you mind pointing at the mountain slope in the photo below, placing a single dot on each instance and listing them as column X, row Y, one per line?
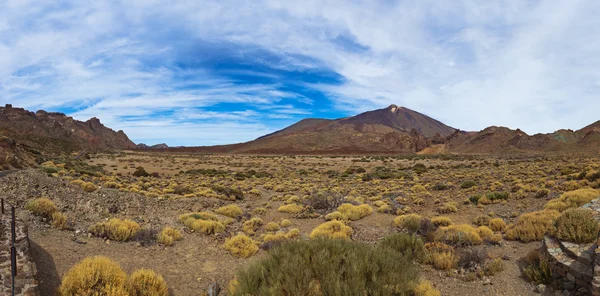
column 27, row 134
column 504, row 140
column 389, row 130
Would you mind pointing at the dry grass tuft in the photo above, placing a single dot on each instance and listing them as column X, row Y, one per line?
column 458, row 234
column 353, row 213
column 531, row 226
column 291, row 208
column 146, row 282
column 115, row 229
column 440, row 255
column 410, row 222
column 332, row 229
column 168, row 236
column 94, row 276
column 43, row 207
column 572, row 199
column 241, row 245
column 497, row 224
column 232, row 211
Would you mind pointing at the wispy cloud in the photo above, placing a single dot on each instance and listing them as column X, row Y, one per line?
column 210, row 72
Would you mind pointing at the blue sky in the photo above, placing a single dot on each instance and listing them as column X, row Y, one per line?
column 217, row 72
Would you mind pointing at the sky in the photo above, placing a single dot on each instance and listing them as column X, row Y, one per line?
column 217, row 72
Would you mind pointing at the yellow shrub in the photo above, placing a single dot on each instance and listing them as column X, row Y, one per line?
column 168, row 236
column 260, row 211
column 241, row 246
column 424, row 288
column 291, row 208
column 441, row 221
column 332, row 229
column 115, row 229
column 484, row 201
column 89, row 186
column 418, row 189
column 232, row 286
column 353, row 213
column 59, row 220
column 146, row 282
column 449, row 207
column 232, row 211
column 94, row 276
column 410, row 222
column 531, row 226
column 41, row 207
column 334, row 216
column 440, row 255
column 459, row 234
column 281, row 236
column 286, row 223
column 202, row 222
column 111, row 184
column 251, row 226
column 484, row 232
column 497, row 224
column 272, row 226
column 572, row 199
column 207, row 226
column 495, row 239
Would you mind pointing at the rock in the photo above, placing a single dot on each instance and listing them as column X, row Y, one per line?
column 487, row 281
column 214, row 289
column 540, row 288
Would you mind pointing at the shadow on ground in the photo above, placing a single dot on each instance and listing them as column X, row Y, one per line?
column 47, row 275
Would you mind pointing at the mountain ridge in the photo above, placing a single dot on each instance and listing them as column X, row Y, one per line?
column 29, row 137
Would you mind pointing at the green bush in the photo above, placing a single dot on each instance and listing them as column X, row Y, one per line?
column 493, row 196
column 577, row 226
column 468, row 184
column 329, row 267
column 140, row 172
column 536, row 268
column 405, row 244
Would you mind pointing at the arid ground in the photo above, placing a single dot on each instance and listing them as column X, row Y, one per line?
column 456, row 187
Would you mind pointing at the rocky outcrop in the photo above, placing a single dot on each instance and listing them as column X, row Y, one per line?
column 575, row 267
column 27, row 135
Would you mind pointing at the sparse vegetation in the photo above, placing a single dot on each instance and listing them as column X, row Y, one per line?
column 251, row 204
column 115, row 229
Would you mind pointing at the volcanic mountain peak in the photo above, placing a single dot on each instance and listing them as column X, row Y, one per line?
column 401, row 119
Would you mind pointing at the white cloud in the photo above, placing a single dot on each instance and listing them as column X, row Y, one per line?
column 470, row 64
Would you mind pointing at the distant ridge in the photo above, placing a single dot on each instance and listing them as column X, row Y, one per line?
column 28, row 137
column 399, row 130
